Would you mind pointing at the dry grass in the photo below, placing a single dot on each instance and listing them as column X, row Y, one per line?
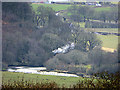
column 108, row 49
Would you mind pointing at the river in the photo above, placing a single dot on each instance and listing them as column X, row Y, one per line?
column 38, row 70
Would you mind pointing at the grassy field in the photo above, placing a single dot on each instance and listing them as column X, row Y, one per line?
column 19, row 80
column 102, row 9
column 56, row 7
column 114, row 2
column 109, row 41
column 109, row 30
column 82, row 24
column 61, row 80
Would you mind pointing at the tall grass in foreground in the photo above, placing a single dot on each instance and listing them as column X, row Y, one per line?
column 99, row 80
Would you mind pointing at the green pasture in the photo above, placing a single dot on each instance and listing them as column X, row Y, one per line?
column 56, row 7
column 109, row 41
column 10, row 77
column 102, row 9
column 67, row 82
column 109, row 30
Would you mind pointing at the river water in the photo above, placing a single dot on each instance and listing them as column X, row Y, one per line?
column 38, row 70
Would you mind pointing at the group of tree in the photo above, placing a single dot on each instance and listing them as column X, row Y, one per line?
column 86, row 13
column 21, row 40
column 80, row 13
column 92, row 24
column 107, row 15
column 33, row 46
column 23, row 43
column 17, row 11
column 43, row 15
column 85, row 41
column 76, row 61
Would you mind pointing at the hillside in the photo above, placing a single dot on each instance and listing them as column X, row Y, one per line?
column 32, row 33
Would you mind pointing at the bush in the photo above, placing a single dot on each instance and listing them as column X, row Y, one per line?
column 100, row 25
column 106, row 80
column 103, row 61
column 86, row 41
column 68, row 61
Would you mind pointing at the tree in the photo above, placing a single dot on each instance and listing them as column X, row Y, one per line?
column 86, row 12
column 115, row 14
column 86, row 41
column 18, row 11
column 44, row 15
column 64, row 61
column 90, row 13
column 75, row 15
column 110, row 15
column 15, row 38
column 51, row 41
column 103, row 16
column 36, row 54
column 80, row 13
column 103, row 61
column 118, row 53
column 77, row 57
column 54, row 63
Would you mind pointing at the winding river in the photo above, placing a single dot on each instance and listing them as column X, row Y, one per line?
column 38, row 70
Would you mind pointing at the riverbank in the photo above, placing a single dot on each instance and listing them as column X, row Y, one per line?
column 10, row 77
column 20, row 80
column 39, row 70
